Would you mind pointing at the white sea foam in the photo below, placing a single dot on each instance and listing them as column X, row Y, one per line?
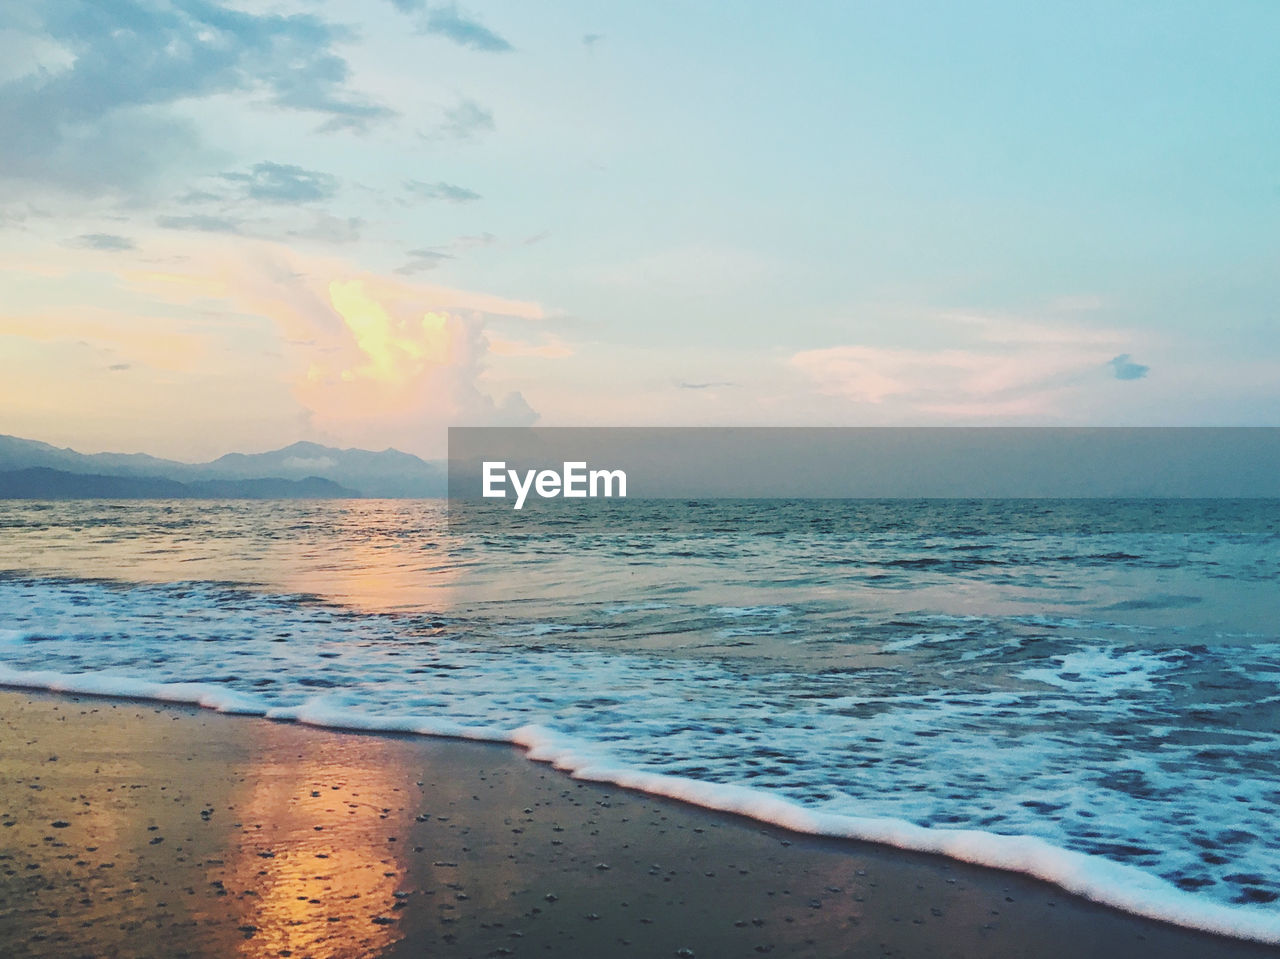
column 620, row 609
column 217, row 698
column 543, row 629
column 919, row 639
column 1101, row 670
column 739, row 611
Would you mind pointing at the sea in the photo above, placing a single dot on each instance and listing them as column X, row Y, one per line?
column 1086, row 690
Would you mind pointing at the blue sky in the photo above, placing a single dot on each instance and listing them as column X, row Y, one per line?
column 233, row 226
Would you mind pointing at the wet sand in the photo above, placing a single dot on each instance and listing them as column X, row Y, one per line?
column 130, row 829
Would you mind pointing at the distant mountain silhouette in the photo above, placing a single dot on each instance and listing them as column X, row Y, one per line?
column 389, row 473
column 41, row 482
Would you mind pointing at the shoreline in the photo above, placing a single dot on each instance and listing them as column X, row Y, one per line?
column 245, row 830
column 1098, row 880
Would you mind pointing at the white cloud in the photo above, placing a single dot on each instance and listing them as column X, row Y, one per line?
column 1005, row 367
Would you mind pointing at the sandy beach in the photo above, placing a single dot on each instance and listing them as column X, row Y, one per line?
column 133, row 829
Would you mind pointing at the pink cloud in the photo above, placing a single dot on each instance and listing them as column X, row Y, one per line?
column 1007, row 368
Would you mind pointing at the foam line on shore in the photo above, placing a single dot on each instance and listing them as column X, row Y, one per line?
column 1100, row 880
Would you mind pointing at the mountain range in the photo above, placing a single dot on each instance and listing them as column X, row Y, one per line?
column 29, row 468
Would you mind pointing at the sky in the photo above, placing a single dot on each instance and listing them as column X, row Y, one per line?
column 231, row 226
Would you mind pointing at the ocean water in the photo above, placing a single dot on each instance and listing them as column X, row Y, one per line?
column 1086, row 691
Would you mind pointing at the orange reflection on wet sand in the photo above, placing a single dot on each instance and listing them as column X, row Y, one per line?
column 317, row 859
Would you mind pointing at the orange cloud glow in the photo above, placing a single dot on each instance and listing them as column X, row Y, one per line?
column 374, row 360
column 397, row 350
column 553, row 348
